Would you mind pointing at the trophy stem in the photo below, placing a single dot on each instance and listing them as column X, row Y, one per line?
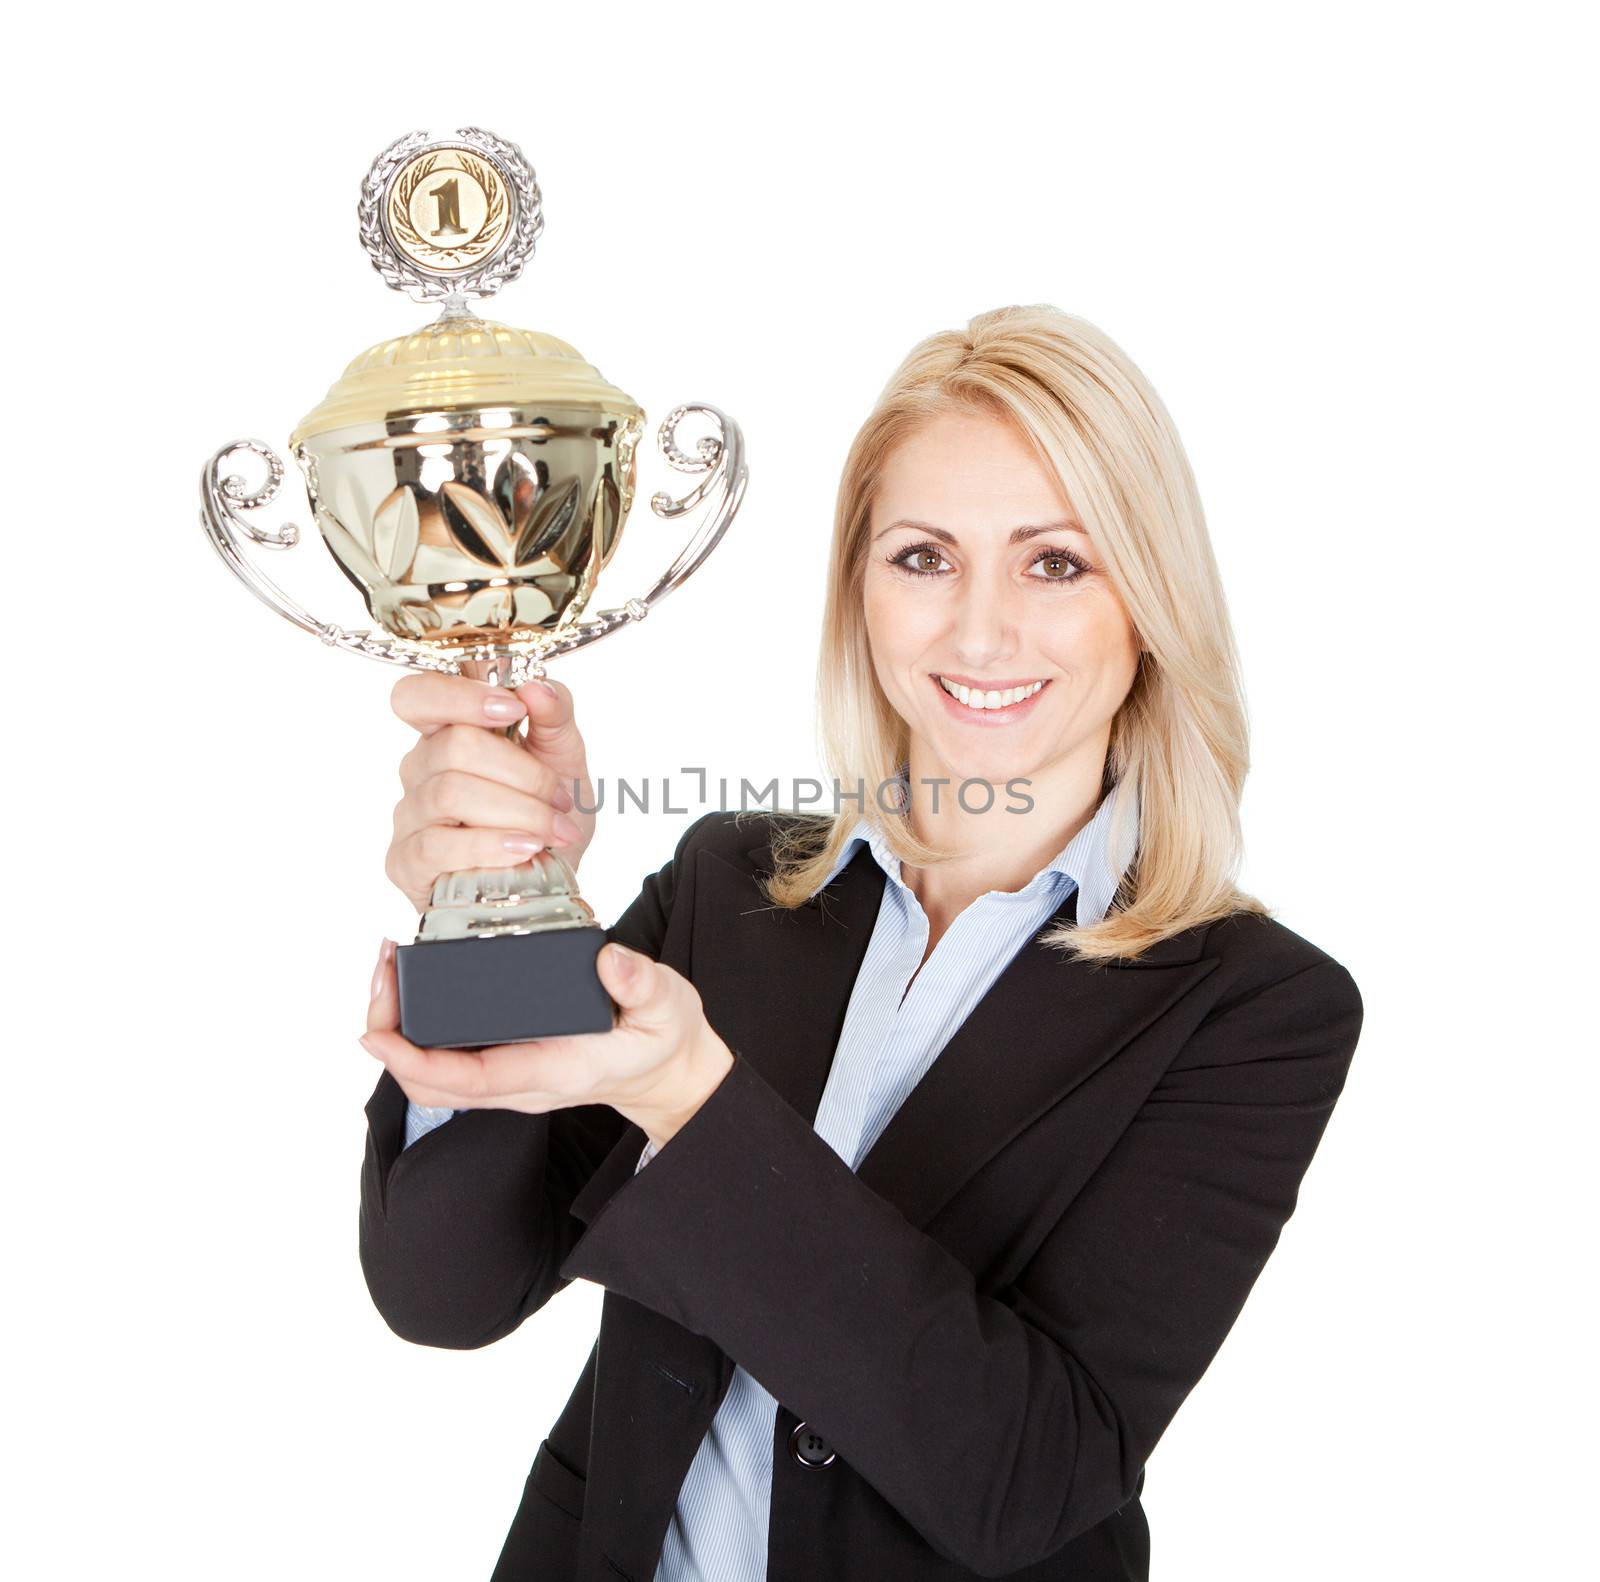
column 533, row 896
column 502, row 668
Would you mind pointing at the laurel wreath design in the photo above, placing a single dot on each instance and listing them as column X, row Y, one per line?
column 400, row 204
column 503, row 265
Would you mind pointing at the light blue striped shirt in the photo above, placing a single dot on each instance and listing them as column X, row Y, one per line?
column 891, row 1036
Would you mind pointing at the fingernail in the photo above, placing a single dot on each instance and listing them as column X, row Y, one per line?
column 539, row 681
column 503, row 708
column 366, row 1044
column 564, row 828
column 525, row 844
column 562, row 799
column 627, row 960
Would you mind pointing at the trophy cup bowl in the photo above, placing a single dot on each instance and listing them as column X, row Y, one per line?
column 472, row 480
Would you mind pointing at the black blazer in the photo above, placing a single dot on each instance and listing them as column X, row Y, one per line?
column 985, row 1330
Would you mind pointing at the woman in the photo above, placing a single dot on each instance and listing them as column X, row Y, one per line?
column 936, row 1149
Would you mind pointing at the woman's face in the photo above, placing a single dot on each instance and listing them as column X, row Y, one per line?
column 978, row 579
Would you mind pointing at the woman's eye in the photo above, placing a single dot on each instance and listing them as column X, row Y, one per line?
column 1059, row 566
column 923, row 560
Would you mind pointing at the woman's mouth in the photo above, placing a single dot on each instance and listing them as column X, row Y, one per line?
column 975, row 704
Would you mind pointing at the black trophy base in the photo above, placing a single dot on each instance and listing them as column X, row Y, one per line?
column 465, row 993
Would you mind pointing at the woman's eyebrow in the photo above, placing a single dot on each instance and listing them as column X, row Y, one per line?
column 1019, row 535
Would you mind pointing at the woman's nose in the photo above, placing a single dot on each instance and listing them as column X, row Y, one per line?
column 986, row 622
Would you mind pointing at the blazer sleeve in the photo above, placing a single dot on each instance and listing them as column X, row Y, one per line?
column 1000, row 1426
column 463, row 1233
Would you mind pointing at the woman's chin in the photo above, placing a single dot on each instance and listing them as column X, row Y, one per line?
column 994, row 762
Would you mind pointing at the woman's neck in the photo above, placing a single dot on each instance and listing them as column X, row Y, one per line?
column 1001, row 849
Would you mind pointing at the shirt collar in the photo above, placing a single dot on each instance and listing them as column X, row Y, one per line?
column 1087, row 860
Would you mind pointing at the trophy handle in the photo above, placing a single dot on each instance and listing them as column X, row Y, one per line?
column 223, row 498
column 720, row 457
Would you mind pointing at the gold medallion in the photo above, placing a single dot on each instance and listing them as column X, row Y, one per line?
column 448, row 210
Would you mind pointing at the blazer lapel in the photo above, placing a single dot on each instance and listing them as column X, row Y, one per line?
column 1045, row 1025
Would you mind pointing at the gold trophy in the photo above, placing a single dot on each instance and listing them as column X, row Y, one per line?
column 472, row 480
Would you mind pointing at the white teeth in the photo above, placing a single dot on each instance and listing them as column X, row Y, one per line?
column 988, row 700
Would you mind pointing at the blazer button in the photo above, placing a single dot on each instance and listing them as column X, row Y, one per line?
column 809, row 1448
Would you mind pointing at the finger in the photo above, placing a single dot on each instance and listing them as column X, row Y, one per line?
column 383, row 1007
column 453, row 796
column 535, row 1076
column 565, row 1069
column 486, row 754
column 552, row 732
column 633, row 980
column 456, row 1073
column 431, row 698
column 477, row 1078
column 415, row 861
column 432, row 1098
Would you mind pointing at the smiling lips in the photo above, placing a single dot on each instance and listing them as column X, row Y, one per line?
column 997, row 705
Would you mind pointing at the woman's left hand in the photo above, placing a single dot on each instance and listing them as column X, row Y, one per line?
column 656, row 1067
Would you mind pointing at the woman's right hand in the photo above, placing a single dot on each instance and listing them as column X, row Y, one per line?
column 473, row 797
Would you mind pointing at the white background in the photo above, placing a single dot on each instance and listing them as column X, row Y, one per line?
column 1349, row 245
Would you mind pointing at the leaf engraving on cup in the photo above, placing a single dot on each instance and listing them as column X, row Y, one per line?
column 517, row 487
column 395, row 531
column 610, row 515
column 347, row 549
column 549, row 520
column 489, row 607
column 406, row 617
column 477, row 526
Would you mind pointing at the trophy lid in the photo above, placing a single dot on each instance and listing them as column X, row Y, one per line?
column 462, row 361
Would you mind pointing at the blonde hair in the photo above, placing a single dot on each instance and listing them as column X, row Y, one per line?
column 1181, row 735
